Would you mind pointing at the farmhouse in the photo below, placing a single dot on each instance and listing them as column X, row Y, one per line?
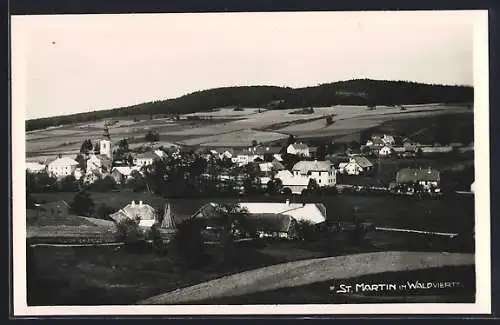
column 123, row 173
column 160, row 153
column 298, row 149
column 222, row 153
column 35, row 167
column 270, row 225
column 144, row 159
column 356, row 165
column 271, row 219
column 274, row 166
column 144, row 212
column 385, row 151
column 297, row 180
column 428, row 178
column 62, row 167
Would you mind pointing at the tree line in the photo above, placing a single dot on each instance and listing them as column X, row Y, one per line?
column 352, row 92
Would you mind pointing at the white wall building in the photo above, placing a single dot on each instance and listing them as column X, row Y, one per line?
column 62, row 167
column 35, row 167
column 297, row 180
column 298, row 149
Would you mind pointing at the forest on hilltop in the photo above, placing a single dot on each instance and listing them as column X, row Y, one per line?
column 352, row 92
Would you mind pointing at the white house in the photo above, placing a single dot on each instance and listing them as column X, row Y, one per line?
column 160, row 153
column 356, row 165
column 473, row 187
column 62, row 167
column 223, row 153
column 35, row 167
column 298, row 149
column 123, row 173
column 271, row 219
column 144, row 212
column 388, row 139
column 144, row 159
column 297, row 180
column 385, row 151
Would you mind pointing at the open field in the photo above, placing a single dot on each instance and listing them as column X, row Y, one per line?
column 304, row 272
column 105, row 275
column 229, row 128
column 321, row 292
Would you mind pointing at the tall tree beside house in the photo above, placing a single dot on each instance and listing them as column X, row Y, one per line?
column 188, row 246
column 86, row 146
column 82, row 204
column 152, row 136
column 123, row 145
column 254, row 143
column 97, row 148
column 274, row 186
column 312, row 187
column 82, row 162
column 234, row 224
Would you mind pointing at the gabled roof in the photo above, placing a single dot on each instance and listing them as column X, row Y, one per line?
column 133, row 210
column 35, row 166
column 407, row 175
column 299, row 146
column 64, row 161
column 124, row 170
column 270, row 222
column 306, row 166
column 313, row 212
column 362, row 161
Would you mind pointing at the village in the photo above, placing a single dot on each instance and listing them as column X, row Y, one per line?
column 260, row 170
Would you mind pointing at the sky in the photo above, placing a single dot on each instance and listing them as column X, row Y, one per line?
column 80, row 63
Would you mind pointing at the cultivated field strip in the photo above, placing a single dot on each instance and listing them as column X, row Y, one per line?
column 298, row 273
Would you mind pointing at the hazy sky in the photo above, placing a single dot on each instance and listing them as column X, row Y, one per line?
column 93, row 62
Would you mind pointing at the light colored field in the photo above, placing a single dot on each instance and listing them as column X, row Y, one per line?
column 237, row 138
column 298, row 273
column 358, row 118
column 227, row 112
column 240, row 132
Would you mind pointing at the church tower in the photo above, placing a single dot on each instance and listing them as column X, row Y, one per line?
column 106, row 144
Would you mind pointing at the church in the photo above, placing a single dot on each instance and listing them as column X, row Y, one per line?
column 100, row 162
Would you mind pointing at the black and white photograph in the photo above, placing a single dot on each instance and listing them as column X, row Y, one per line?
column 251, row 163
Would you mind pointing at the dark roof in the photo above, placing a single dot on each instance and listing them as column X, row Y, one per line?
column 270, row 222
column 362, row 161
column 407, row 175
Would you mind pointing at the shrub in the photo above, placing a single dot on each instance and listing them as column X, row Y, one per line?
column 130, row 232
column 104, row 211
column 82, row 204
column 188, row 243
column 306, row 230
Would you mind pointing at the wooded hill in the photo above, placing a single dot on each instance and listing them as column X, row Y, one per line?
column 351, row 92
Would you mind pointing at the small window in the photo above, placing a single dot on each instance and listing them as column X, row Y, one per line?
column 319, row 181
